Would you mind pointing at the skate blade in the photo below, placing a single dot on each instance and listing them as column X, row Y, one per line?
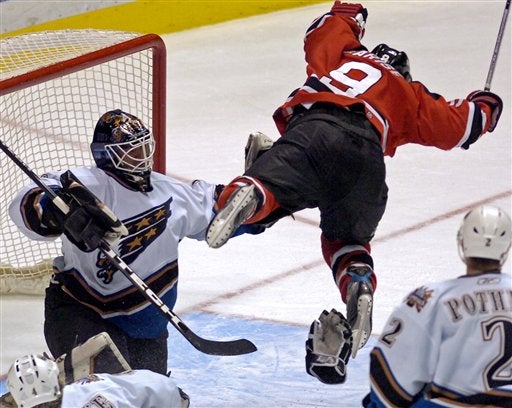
column 224, row 225
column 360, row 334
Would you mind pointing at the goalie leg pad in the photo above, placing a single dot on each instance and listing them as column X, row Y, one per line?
column 82, row 360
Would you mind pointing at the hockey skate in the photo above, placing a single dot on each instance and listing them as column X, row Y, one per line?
column 240, row 206
column 359, row 305
column 257, row 144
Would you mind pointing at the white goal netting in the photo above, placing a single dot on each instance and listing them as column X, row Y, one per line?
column 54, row 86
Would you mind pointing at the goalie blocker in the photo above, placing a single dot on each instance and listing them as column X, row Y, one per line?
column 88, row 220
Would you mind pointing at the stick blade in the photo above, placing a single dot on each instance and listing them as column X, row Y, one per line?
column 220, row 348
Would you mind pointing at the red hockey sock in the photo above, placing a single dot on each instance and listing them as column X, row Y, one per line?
column 267, row 202
column 339, row 255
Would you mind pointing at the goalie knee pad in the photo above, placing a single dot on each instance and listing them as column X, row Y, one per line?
column 82, row 360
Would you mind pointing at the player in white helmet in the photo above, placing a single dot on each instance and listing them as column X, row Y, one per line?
column 33, row 380
column 448, row 344
column 70, row 381
column 484, row 234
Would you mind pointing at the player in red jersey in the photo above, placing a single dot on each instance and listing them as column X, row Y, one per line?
column 354, row 108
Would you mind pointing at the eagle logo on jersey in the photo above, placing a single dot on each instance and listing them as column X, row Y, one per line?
column 143, row 229
column 418, row 298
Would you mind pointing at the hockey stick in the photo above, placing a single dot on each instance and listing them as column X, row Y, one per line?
column 494, row 58
column 219, row 348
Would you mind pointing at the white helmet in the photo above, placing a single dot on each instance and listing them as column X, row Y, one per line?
column 485, row 233
column 33, row 380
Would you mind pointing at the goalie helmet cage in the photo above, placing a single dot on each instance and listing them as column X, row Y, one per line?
column 54, row 86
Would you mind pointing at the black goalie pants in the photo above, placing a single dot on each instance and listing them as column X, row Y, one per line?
column 68, row 323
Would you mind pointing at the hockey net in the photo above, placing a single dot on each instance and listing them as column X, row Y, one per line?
column 54, row 86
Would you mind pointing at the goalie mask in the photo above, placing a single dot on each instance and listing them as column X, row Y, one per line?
column 485, row 233
column 33, row 380
column 397, row 59
column 124, row 147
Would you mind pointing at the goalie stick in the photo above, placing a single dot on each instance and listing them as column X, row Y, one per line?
column 214, row 347
column 494, row 58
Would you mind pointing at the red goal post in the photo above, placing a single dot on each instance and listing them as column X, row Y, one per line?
column 54, row 86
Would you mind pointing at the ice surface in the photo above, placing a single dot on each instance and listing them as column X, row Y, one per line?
column 224, row 82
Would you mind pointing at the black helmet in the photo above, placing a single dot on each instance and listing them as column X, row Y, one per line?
column 124, row 147
column 397, row 59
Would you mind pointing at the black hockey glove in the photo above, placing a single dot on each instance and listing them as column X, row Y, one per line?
column 88, row 221
column 492, row 100
column 328, row 348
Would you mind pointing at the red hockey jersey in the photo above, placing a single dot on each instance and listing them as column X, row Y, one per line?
column 341, row 71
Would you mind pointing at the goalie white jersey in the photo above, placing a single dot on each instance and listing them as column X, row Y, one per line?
column 157, row 221
column 138, row 388
column 448, row 344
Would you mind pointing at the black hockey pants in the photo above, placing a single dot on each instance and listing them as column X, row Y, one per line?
column 329, row 158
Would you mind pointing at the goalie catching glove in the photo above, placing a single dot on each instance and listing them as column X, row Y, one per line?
column 88, row 221
column 328, row 348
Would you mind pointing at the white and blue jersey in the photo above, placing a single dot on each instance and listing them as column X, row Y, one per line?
column 138, row 388
column 448, row 344
column 157, row 221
